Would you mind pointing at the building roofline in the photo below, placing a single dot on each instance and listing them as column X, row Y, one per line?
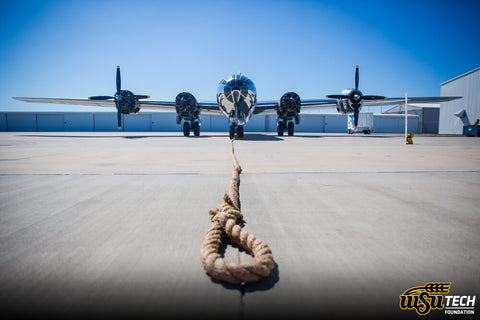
column 460, row 76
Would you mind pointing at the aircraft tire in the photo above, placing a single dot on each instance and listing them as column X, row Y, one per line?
column 280, row 128
column 240, row 132
column 232, row 132
column 196, row 128
column 186, row 128
column 291, row 129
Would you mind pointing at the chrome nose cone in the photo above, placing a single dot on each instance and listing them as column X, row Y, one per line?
column 236, row 94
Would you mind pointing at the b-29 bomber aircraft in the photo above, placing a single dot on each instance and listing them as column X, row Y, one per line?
column 237, row 101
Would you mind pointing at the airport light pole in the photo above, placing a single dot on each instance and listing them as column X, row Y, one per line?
column 406, row 116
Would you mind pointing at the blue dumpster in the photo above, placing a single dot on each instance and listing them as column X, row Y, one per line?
column 471, row 130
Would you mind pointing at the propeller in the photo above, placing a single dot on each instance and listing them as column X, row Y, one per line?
column 355, row 97
column 101, row 97
column 118, row 97
column 119, row 80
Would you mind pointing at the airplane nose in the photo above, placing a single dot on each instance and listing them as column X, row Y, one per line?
column 236, row 95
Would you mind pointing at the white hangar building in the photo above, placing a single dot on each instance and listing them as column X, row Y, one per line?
column 147, row 121
column 467, row 86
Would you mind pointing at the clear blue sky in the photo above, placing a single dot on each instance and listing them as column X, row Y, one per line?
column 70, row 49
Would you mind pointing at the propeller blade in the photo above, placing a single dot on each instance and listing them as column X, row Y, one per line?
column 337, row 96
column 356, row 79
column 355, row 115
column 119, row 115
column 141, row 97
column 374, row 98
column 119, row 119
column 100, row 97
column 119, row 81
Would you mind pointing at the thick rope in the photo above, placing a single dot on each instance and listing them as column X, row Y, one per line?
column 226, row 221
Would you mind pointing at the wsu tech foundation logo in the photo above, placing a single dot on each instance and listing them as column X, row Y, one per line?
column 432, row 296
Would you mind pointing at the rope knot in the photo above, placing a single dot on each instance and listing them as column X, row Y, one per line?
column 226, row 220
column 226, row 211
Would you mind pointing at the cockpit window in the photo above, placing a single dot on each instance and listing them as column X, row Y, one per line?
column 227, row 90
column 244, row 92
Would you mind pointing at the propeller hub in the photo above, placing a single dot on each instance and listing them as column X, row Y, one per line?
column 355, row 97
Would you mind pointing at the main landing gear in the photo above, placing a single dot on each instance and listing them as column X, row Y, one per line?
column 195, row 127
column 236, row 132
column 281, row 128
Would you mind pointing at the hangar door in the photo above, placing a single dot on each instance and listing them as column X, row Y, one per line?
column 50, row 122
column 21, row 122
column 311, row 123
column 138, row 122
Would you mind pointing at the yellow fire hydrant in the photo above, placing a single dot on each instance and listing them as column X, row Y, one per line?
column 409, row 138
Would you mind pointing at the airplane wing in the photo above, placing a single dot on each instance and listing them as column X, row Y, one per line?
column 206, row 107
column 394, row 101
column 83, row 102
column 265, row 107
column 269, row 107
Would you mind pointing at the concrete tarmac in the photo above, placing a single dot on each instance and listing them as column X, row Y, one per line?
column 111, row 224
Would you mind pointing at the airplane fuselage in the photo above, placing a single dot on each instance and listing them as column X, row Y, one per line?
column 236, row 98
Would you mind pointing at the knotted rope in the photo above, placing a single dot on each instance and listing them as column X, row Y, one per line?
column 226, row 221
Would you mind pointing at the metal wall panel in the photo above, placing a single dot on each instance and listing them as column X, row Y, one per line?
column 78, row 121
column 205, row 123
column 105, row 121
column 141, row 122
column 49, row 122
column 219, row 123
column 394, row 123
column 430, row 120
column 22, row 121
column 165, row 121
column 336, row 123
column 467, row 86
column 271, row 121
column 3, row 122
column 256, row 124
column 311, row 123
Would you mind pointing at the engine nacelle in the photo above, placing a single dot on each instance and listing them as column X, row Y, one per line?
column 344, row 107
column 126, row 102
column 289, row 105
column 352, row 97
column 186, row 106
